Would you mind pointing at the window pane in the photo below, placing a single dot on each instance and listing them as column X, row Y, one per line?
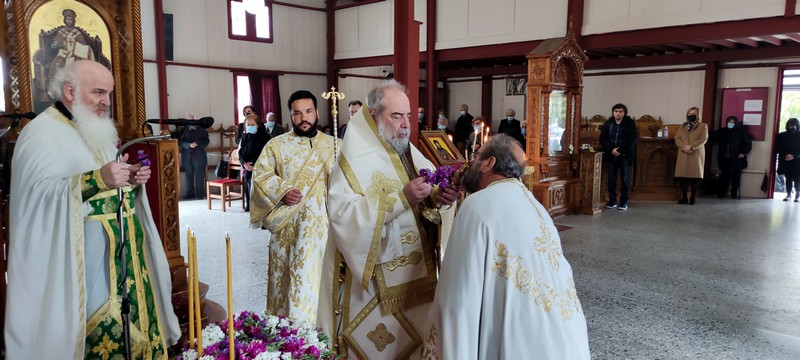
column 243, row 97
column 262, row 22
column 238, row 20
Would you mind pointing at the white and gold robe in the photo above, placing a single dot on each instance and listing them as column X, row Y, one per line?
column 299, row 232
column 379, row 274
column 505, row 289
column 59, row 276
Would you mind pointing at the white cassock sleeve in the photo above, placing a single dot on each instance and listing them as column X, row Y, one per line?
column 456, row 310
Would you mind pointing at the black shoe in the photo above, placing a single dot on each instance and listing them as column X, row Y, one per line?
column 720, row 196
column 246, row 209
column 796, row 200
column 786, row 199
column 692, row 202
column 683, row 201
column 611, row 204
column 623, row 206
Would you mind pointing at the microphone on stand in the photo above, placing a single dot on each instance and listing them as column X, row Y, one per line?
column 205, row 122
column 123, row 244
column 27, row 115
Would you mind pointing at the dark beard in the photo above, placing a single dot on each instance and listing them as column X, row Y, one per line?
column 471, row 179
column 312, row 131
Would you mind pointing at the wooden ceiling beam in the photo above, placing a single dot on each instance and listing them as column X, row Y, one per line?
column 692, row 33
column 724, row 43
column 747, row 41
column 785, row 51
column 472, row 72
column 793, row 36
column 770, row 39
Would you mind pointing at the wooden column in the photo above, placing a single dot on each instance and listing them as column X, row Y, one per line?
column 431, row 66
column 161, row 61
column 590, row 179
column 486, row 99
column 406, row 54
column 333, row 78
column 709, row 103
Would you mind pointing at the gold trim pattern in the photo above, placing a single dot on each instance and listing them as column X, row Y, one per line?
column 409, row 238
column 378, row 192
column 400, row 261
column 380, row 337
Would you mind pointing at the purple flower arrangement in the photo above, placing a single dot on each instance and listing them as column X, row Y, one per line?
column 143, row 158
column 262, row 338
column 441, row 177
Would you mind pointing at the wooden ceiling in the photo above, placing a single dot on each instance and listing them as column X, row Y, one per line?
column 723, row 42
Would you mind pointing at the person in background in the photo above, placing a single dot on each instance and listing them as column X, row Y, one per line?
column 691, row 142
column 734, row 144
column 523, row 126
column 787, row 145
column 421, row 119
column 463, row 127
column 511, row 126
column 618, row 138
column 328, row 130
column 247, row 111
column 193, row 142
column 442, row 125
column 272, row 127
column 474, row 144
column 353, row 107
column 253, row 141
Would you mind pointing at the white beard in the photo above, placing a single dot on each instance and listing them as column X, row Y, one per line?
column 99, row 132
column 399, row 144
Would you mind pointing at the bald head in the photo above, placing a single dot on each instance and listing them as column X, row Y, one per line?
column 84, row 81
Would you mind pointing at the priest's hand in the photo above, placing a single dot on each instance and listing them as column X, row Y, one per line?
column 416, row 190
column 450, row 195
column 292, row 197
column 115, row 173
column 139, row 174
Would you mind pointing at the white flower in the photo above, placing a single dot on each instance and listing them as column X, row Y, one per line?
column 286, row 356
column 207, row 357
column 284, row 323
column 212, row 334
column 272, row 321
column 269, row 355
column 190, row 354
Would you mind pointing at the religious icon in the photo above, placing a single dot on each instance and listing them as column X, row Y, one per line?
column 60, row 33
column 439, row 149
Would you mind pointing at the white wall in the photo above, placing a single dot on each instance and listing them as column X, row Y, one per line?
column 603, row 16
column 665, row 95
column 357, row 88
column 463, row 93
column 470, row 93
column 368, row 30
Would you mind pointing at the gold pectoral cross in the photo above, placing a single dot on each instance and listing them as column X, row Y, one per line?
column 334, row 96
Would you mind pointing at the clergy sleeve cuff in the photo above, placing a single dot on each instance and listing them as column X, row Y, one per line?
column 91, row 184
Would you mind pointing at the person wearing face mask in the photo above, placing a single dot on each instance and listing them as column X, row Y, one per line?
column 691, row 142
column 523, row 125
column 787, row 145
column 193, row 142
column 253, row 141
column 463, row 127
column 442, row 125
column 734, row 144
column 511, row 126
column 273, row 128
column 474, row 144
column 247, row 111
column 420, row 118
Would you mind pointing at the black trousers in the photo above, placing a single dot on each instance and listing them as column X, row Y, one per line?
column 195, row 167
column 731, row 176
column 617, row 166
column 247, row 184
column 792, row 180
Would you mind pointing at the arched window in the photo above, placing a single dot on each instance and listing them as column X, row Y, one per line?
column 250, row 20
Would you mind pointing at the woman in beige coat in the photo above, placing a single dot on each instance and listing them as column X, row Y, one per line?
column 691, row 141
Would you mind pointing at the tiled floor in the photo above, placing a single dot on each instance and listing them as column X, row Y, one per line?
column 719, row 280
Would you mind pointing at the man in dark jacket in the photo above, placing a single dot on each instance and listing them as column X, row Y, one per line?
column 463, row 127
column 511, row 126
column 618, row 138
column 272, row 127
column 787, row 145
column 734, row 145
column 193, row 142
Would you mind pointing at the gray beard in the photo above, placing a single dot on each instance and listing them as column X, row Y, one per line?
column 399, row 145
column 99, row 132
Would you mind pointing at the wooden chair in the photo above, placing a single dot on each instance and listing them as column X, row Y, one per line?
column 228, row 185
column 648, row 126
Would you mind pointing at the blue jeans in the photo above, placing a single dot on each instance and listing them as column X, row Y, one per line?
column 617, row 165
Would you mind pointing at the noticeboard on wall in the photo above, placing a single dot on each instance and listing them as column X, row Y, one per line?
column 749, row 105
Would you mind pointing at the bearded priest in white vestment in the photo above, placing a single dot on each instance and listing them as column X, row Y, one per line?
column 63, row 270
column 380, row 273
column 289, row 198
column 505, row 290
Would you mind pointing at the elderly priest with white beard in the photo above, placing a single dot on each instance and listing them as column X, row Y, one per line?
column 63, row 275
column 505, row 290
